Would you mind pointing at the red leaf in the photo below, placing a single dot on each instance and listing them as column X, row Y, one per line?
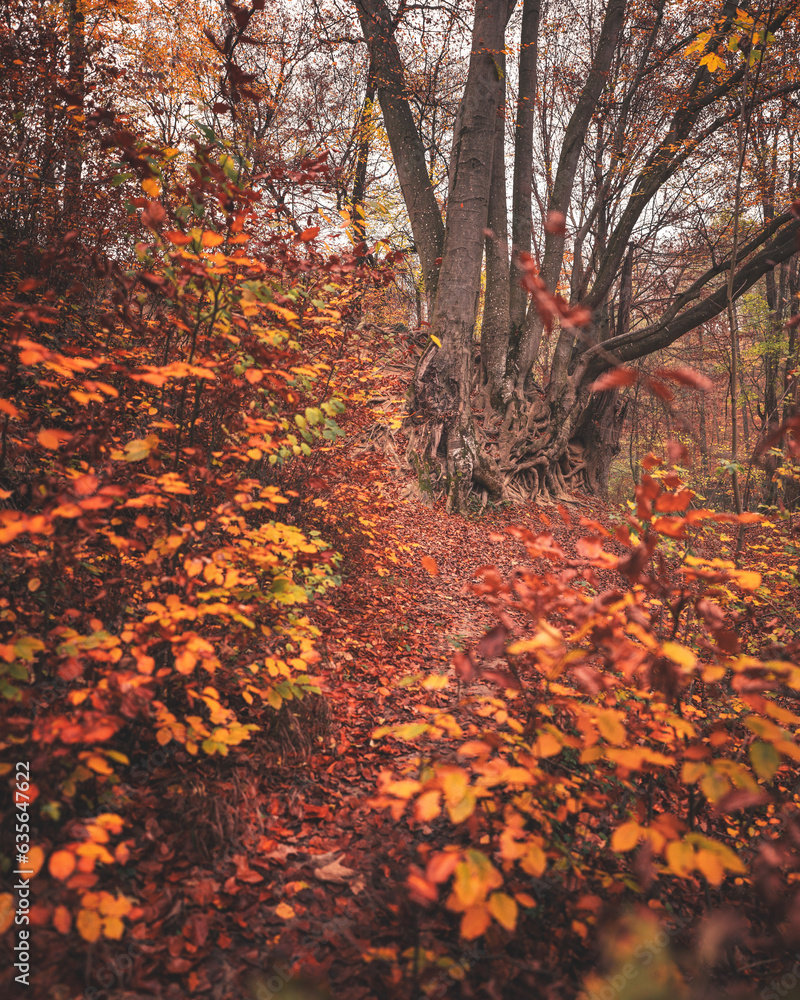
column 153, row 215
column 464, row 666
column 686, row 376
column 613, row 379
column 493, row 643
column 556, row 223
column 659, row 389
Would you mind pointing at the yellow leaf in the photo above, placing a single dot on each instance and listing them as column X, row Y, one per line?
column 89, row 925
column 436, row 340
column 713, row 62
column 504, row 910
column 711, row 866
column 474, row 922
column 151, row 187
column 546, row 745
column 284, row 911
column 284, row 313
column 610, row 727
column 428, row 806
column 535, row 861
column 698, row 44
column 747, row 579
column 679, row 654
column 680, row 858
column 626, row 837
column 113, row 928
column 454, row 785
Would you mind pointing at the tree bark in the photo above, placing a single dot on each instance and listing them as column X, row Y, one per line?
column 443, row 379
column 496, row 321
column 408, row 151
column 73, row 166
column 522, row 189
column 562, row 192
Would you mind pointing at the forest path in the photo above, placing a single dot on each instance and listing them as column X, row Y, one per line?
column 337, row 865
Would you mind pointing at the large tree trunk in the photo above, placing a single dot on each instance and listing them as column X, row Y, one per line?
column 443, row 379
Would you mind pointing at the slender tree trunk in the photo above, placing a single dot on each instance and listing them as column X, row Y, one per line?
column 522, row 191
column 73, row 167
column 408, row 151
column 362, row 156
column 702, row 417
column 572, row 145
column 496, row 320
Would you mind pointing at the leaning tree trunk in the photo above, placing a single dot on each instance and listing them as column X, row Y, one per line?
column 408, row 151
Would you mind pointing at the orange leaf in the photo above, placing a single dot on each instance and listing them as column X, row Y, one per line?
column 546, row 745
column 441, row 866
column 475, row 922
column 33, row 863
column 212, row 239
column 89, row 925
column 52, row 439
column 430, row 565
column 625, row 837
column 428, row 806
column 61, row 865
column 309, row 234
column 6, row 911
column 62, row 920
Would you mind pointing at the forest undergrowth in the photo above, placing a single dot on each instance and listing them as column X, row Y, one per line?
column 280, row 872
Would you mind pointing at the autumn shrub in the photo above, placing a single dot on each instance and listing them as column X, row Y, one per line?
column 642, row 736
column 153, row 596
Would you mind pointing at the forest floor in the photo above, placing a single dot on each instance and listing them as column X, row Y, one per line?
column 273, row 873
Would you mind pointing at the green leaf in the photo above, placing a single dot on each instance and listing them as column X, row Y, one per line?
column 765, row 759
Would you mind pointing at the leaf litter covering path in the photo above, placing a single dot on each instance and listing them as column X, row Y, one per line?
column 274, row 876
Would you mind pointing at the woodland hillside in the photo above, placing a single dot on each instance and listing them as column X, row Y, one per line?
column 399, row 498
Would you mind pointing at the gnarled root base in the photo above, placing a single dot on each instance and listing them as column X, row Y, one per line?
column 514, row 457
